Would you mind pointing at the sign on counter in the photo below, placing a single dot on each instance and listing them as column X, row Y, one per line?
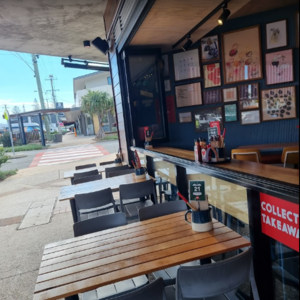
column 280, row 220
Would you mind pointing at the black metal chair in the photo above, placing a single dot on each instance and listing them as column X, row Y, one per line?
column 120, row 173
column 104, row 163
column 114, row 169
column 119, row 288
column 218, row 281
column 138, row 191
column 85, row 174
column 85, row 166
column 87, row 179
column 92, row 205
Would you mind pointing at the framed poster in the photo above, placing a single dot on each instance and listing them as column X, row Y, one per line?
column 250, row 117
column 249, row 96
column 188, row 95
column 230, row 112
column 212, row 75
column 210, row 48
column 279, row 67
column 185, row 117
column 230, row 94
column 279, row 103
column 167, row 85
column 242, row 60
column 165, row 62
column 186, row 65
column 203, row 117
column 212, row 96
column 276, row 34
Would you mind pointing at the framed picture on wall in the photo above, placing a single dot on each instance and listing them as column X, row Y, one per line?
column 165, row 62
column 188, row 95
column 242, row 60
column 250, row 117
column 230, row 112
column 210, row 48
column 279, row 67
column 185, row 117
column 187, row 65
column 230, row 94
column 276, row 34
column 212, row 96
column 202, row 117
column 212, row 75
column 249, row 96
column 279, row 103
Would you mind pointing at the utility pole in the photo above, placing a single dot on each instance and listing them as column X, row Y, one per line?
column 38, row 82
column 54, row 101
column 23, row 107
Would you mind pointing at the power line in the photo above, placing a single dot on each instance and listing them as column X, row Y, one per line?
column 19, row 56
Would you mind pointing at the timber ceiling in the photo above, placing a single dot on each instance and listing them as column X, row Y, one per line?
column 170, row 20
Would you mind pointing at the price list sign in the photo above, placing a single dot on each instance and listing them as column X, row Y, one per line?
column 197, row 190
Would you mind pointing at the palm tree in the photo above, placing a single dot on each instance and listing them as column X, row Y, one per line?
column 97, row 103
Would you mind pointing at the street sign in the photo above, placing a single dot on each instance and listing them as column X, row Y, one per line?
column 59, row 105
column 197, row 190
column 6, row 115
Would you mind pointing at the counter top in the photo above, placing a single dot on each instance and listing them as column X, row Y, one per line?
column 277, row 181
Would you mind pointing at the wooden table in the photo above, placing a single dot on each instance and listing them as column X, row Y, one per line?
column 101, row 169
column 69, row 192
column 271, row 147
column 84, row 263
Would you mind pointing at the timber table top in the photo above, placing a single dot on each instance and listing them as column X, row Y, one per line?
column 101, row 169
column 87, row 262
column 278, row 146
column 286, row 175
column 69, row 192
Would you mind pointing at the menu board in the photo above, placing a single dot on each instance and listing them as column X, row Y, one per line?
column 188, row 95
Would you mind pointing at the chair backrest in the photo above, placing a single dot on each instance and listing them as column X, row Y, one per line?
column 107, row 163
column 121, row 172
column 162, row 209
column 152, row 291
column 137, row 190
column 87, row 179
column 94, row 200
column 85, row 174
column 246, row 154
column 85, row 166
column 215, row 279
column 114, row 169
column 290, row 155
column 99, row 223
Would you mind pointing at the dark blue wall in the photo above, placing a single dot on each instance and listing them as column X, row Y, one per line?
column 182, row 135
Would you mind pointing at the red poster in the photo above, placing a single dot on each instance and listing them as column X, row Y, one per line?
column 171, row 109
column 216, row 124
column 280, row 220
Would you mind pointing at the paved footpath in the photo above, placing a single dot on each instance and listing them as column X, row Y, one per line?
column 31, row 217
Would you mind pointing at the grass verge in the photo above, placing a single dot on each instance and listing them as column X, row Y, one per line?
column 5, row 174
column 110, row 137
column 29, row 147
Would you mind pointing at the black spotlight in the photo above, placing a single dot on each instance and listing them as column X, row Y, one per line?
column 225, row 14
column 101, row 45
column 187, row 44
column 86, row 44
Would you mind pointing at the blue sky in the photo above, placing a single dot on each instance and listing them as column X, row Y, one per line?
column 18, row 84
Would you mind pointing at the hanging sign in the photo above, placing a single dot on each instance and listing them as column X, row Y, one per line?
column 280, row 220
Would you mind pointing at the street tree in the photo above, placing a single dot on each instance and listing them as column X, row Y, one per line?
column 36, row 105
column 99, row 104
column 16, row 110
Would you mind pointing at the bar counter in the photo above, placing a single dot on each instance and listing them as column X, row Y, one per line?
column 273, row 180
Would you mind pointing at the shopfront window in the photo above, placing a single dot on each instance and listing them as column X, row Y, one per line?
column 146, row 97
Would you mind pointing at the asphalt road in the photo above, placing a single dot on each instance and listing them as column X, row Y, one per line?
column 24, row 162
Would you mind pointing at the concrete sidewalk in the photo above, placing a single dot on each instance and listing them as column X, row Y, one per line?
column 30, row 218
